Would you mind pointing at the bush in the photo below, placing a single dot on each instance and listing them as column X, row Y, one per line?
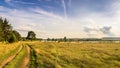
column 12, row 38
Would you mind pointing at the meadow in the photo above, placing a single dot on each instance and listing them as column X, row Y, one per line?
column 65, row 54
column 75, row 55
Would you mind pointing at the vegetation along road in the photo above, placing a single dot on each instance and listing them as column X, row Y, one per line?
column 19, row 59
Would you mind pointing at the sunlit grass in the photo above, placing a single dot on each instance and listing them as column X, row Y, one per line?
column 7, row 50
column 77, row 55
column 18, row 60
column 65, row 54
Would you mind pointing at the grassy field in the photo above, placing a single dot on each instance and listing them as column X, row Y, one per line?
column 7, row 50
column 64, row 54
column 75, row 55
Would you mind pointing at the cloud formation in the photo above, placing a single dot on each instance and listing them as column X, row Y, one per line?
column 107, row 30
column 64, row 8
column 49, row 24
column 104, row 31
column 29, row 3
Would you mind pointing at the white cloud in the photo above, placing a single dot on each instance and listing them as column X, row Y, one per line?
column 47, row 24
column 46, row 14
column 38, row 20
column 98, row 20
column 64, row 8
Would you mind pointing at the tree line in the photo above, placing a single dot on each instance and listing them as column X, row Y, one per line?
column 58, row 39
column 7, row 34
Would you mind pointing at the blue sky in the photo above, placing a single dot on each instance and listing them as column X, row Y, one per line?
column 59, row 18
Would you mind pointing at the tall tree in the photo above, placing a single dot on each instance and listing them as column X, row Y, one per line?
column 7, row 29
column 1, row 30
column 6, row 32
column 31, row 35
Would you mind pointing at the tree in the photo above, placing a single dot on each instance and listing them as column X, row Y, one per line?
column 65, row 39
column 52, row 39
column 7, row 29
column 1, row 30
column 31, row 35
column 6, row 32
column 12, row 38
column 48, row 39
column 18, row 36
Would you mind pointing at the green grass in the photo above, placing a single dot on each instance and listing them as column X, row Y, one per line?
column 69, row 55
column 75, row 55
column 17, row 62
column 7, row 50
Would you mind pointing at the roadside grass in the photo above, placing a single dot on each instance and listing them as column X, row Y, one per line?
column 18, row 60
column 75, row 55
column 7, row 50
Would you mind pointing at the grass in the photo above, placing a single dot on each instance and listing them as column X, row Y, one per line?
column 7, row 50
column 66, row 54
column 76, row 55
column 19, row 59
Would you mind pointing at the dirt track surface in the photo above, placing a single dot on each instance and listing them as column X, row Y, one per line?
column 27, row 58
column 10, row 58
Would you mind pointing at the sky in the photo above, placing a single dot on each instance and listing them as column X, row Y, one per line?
column 59, row 18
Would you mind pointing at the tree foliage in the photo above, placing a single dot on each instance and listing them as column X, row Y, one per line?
column 17, row 35
column 31, row 35
column 65, row 39
column 6, row 32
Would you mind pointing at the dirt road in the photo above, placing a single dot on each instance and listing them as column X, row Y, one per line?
column 27, row 58
column 10, row 58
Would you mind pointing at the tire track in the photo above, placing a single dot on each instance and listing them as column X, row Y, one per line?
column 27, row 58
column 10, row 58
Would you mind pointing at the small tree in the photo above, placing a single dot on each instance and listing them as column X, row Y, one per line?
column 48, row 39
column 31, row 35
column 52, row 39
column 65, row 39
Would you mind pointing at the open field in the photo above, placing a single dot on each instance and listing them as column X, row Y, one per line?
column 63, row 55
column 75, row 55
